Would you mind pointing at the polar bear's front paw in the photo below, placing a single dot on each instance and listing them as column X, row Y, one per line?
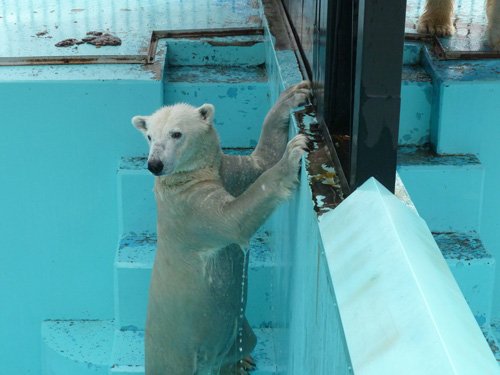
column 293, row 153
column 440, row 26
column 296, row 95
column 494, row 37
column 296, row 148
column 286, row 170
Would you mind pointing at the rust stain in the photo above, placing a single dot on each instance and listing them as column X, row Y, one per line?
column 324, row 180
column 42, row 33
column 100, row 39
column 254, row 20
column 96, row 38
column 69, row 42
column 328, row 177
column 155, row 69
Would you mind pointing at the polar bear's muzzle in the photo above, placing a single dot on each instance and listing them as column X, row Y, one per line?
column 155, row 166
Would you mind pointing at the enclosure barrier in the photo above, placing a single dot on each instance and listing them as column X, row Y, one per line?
column 400, row 308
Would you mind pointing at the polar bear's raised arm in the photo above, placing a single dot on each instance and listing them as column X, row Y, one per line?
column 237, row 219
column 238, row 172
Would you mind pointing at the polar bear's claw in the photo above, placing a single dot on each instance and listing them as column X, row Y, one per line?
column 296, row 148
column 301, row 85
column 300, row 97
column 435, row 27
column 296, row 95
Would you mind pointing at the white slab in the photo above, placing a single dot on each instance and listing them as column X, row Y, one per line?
column 400, row 306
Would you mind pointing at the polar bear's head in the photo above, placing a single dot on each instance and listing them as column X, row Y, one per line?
column 181, row 138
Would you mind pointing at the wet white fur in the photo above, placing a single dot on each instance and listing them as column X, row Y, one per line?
column 209, row 205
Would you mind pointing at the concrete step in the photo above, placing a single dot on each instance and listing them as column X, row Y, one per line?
column 432, row 100
column 136, row 202
column 76, row 347
column 492, row 334
column 446, row 190
column 133, row 265
column 128, row 353
column 466, row 96
column 244, row 50
column 83, row 347
column 474, row 269
column 416, row 106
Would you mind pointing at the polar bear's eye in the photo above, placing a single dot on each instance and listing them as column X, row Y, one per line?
column 149, row 137
column 176, row 135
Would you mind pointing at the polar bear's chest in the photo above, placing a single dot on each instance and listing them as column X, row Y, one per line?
column 209, row 278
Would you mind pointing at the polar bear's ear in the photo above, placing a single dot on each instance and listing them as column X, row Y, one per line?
column 140, row 122
column 207, row 112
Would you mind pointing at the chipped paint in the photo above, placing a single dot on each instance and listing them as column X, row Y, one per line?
column 319, row 201
column 415, row 73
column 322, row 175
column 216, row 73
column 136, row 250
column 421, row 156
column 493, row 337
column 463, row 247
column 84, row 345
column 463, row 71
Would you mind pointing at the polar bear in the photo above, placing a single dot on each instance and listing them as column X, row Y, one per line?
column 209, row 205
column 438, row 19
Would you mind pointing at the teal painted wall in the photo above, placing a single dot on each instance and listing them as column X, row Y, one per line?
column 490, row 208
column 60, row 147
column 303, row 298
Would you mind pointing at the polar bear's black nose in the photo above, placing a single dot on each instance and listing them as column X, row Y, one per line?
column 155, row 166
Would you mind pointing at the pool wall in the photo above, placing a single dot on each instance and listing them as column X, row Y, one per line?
column 60, row 145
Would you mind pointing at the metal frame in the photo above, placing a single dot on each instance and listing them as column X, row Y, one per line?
column 377, row 91
column 322, row 129
column 365, row 40
column 338, row 100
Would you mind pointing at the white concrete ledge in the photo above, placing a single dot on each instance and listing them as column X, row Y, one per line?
column 400, row 306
